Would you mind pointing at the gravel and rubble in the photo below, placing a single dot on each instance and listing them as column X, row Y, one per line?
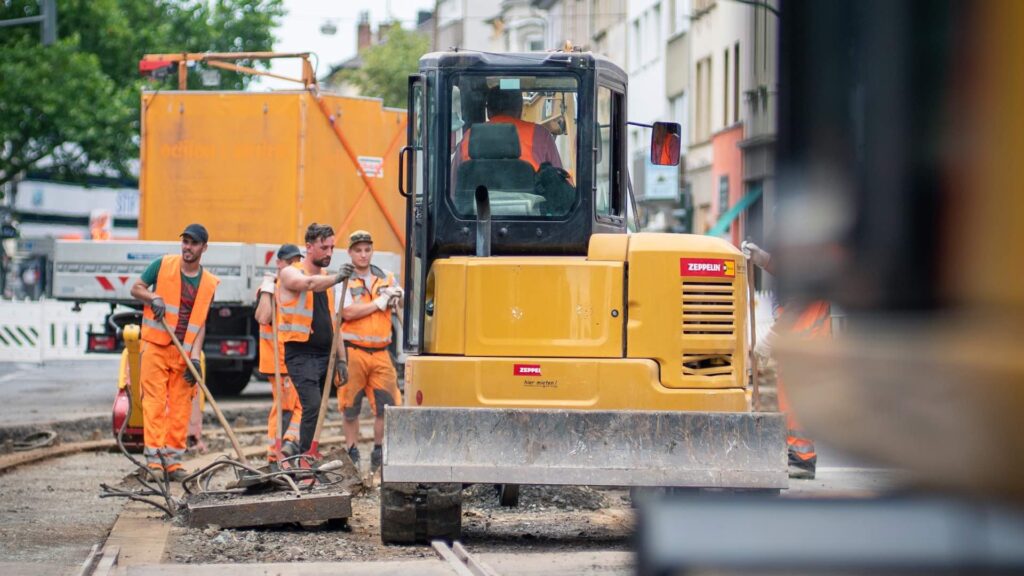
column 548, row 518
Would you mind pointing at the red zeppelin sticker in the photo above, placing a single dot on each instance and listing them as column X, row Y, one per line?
column 707, row 267
column 526, row 369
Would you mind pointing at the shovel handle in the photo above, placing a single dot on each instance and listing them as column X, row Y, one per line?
column 278, row 384
column 752, row 305
column 202, row 385
column 328, row 381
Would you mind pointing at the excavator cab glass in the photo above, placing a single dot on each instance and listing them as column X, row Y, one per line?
column 515, row 135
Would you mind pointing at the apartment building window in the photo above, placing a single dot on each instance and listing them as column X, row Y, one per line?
column 725, row 89
column 702, row 103
column 677, row 107
column 736, row 82
column 679, row 13
column 634, row 54
column 655, row 32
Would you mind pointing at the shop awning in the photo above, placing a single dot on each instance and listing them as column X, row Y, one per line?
column 732, row 213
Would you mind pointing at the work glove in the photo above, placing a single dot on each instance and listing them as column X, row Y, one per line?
column 382, row 301
column 755, row 254
column 267, row 287
column 159, row 308
column 340, row 373
column 394, row 291
column 188, row 373
column 347, row 270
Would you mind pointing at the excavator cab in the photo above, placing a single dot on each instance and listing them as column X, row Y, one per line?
column 545, row 344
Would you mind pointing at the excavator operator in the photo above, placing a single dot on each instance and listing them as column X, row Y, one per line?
column 536, row 144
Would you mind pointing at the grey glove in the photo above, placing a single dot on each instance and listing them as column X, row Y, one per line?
column 758, row 256
column 347, row 270
column 341, row 373
column 159, row 308
column 188, row 373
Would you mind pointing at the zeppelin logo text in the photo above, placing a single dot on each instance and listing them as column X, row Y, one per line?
column 707, row 267
column 526, row 369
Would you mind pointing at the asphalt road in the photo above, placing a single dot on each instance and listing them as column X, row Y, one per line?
column 72, row 389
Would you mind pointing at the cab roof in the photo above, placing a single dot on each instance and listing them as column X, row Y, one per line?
column 559, row 60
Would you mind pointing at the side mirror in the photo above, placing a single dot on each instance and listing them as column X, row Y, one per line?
column 665, row 139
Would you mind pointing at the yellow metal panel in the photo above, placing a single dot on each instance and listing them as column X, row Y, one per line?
column 580, row 383
column 543, row 306
column 608, row 247
column 333, row 191
column 444, row 328
column 693, row 323
column 227, row 160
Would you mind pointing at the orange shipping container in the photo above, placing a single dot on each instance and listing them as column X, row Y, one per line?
column 260, row 167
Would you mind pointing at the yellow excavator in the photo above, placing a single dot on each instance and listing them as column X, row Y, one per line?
column 545, row 344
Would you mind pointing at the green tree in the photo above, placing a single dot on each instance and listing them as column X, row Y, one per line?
column 74, row 105
column 387, row 66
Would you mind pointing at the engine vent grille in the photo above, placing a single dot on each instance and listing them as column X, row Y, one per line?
column 707, row 365
column 709, row 308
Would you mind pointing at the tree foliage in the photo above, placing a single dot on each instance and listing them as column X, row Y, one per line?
column 74, row 105
column 387, row 66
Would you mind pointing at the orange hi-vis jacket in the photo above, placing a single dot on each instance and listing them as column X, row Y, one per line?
column 267, row 342
column 168, row 287
column 373, row 330
column 297, row 315
column 531, row 142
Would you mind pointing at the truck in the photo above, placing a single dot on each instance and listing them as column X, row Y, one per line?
column 256, row 168
column 545, row 343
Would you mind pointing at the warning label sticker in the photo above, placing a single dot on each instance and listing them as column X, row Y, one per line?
column 373, row 166
column 707, row 267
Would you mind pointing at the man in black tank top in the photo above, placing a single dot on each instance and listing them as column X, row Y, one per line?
column 307, row 361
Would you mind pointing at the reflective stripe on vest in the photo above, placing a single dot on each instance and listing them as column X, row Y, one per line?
column 297, row 315
column 168, row 287
column 374, row 329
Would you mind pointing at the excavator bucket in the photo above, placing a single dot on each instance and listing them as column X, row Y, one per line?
column 581, row 447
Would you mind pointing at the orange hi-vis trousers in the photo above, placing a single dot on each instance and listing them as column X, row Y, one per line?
column 292, row 409
column 166, row 405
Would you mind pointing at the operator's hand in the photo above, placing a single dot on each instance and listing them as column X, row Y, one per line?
column 159, row 308
column 347, row 270
column 340, row 373
column 267, row 287
column 188, row 373
column 756, row 255
column 382, row 300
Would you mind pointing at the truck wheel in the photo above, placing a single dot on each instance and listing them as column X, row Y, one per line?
column 413, row 513
column 508, row 495
column 228, row 382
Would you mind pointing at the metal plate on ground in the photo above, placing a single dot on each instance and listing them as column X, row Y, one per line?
column 267, row 509
column 600, row 448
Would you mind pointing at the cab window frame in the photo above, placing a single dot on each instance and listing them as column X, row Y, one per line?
column 615, row 153
column 452, row 82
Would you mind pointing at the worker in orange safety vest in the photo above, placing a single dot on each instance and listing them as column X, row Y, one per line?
column 291, row 408
column 181, row 294
column 371, row 297
column 807, row 321
column 308, row 322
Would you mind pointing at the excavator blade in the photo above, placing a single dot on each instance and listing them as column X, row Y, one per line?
column 581, row 447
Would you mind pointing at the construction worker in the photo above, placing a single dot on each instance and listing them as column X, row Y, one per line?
column 372, row 295
column 536, row 144
column 810, row 321
column 307, row 324
column 176, row 290
column 291, row 408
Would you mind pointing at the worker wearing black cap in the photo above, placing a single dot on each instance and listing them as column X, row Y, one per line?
column 177, row 290
column 291, row 407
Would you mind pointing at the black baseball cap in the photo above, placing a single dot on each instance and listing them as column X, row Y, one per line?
column 196, row 232
column 288, row 251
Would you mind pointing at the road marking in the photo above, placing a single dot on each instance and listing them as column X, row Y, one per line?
column 13, row 376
